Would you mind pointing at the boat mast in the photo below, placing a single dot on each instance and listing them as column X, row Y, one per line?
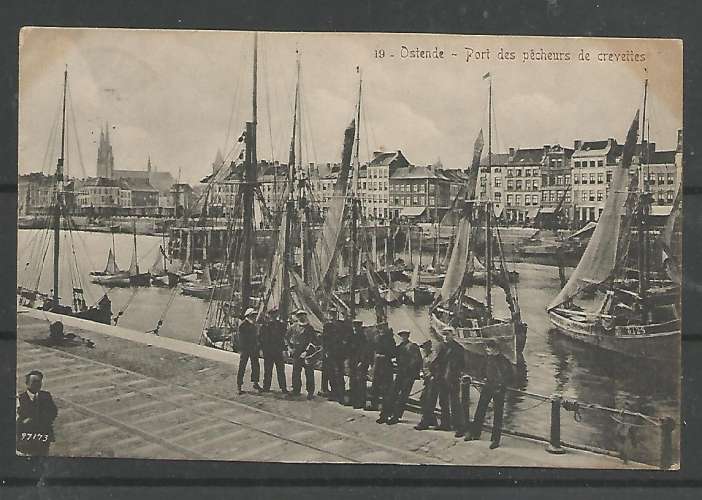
column 488, row 210
column 644, row 207
column 355, row 202
column 248, row 186
column 59, row 193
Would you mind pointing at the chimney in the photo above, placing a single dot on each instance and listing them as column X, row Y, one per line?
column 611, row 142
column 577, row 144
column 511, row 152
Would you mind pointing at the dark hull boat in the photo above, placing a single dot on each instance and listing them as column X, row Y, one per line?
column 630, row 317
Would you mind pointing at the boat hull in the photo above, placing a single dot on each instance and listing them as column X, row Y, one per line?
column 659, row 341
column 206, row 292
column 110, row 280
column 473, row 340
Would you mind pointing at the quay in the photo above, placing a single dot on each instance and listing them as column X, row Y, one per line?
column 138, row 395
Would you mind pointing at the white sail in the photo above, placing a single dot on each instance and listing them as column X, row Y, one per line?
column 603, row 252
column 111, row 266
column 159, row 266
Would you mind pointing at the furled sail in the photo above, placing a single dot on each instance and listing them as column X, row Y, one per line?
column 303, row 298
column 327, row 246
column 603, row 252
column 462, row 242
column 111, row 266
column 159, row 266
column 671, row 241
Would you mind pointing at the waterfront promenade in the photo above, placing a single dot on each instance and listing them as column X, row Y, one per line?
column 141, row 396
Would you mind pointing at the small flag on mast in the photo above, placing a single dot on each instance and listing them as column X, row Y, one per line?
column 486, row 75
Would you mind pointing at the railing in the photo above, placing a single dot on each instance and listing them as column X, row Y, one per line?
column 558, row 404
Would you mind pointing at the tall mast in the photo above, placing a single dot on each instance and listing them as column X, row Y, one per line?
column 488, row 214
column 59, row 193
column 355, row 202
column 248, row 194
column 644, row 205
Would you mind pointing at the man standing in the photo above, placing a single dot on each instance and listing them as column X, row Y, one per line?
column 332, row 343
column 450, row 389
column 36, row 413
column 383, row 374
column 248, row 350
column 358, row 364
column 427, row 357
column 300, row 336
column 498, row 372
column 436, row 369
column 273, row 345
column 409, row 365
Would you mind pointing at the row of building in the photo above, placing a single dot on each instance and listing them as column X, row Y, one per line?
column 524, row 183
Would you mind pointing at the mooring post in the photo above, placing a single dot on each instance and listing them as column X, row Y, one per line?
column 554, row 445
column 465, row 396
column 667, row 426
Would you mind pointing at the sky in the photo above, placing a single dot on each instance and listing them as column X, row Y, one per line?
column 179, row 96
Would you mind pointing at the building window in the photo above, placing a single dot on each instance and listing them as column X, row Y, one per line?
column 509, row 200
column 544, row 195
column 432, row 200
column 509, row 172
column 567, row 180
column 592, row 163
column 661, row 178
column 536, row 184
column 559, row 180
column 498, row 181
column 577, row 164
column 592, row 195
column 518, row 199
column 510, row 184
column 482, row 181
column 519, row 185
column 600, row 163
column 567, row 196
column 498, row 196
column 431, row 190
column 600, row 178
column 599, row 195
column 518, row 172
column 421, row 190
column 592, row 178
column 609, row 177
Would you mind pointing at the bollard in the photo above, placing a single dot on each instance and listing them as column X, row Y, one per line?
column 554, row 445
column 465, row 396
column 667, row 426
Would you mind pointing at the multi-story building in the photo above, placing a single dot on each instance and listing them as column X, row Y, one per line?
column 522, row 184
column 592, row 165
column 419, row 193
column 495, row 188
column 556, row 182
column 35, row 193
column 375, row 184
column 100, row 196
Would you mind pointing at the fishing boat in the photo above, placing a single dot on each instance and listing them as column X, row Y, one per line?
column 137, row 278
column 474, row 321
column 112, row 275
column 160, row 274
column 630, row 314
column 206, row 288
column 418, row 294
column 30, row 296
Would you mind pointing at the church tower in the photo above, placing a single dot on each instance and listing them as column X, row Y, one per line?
column 105, row 159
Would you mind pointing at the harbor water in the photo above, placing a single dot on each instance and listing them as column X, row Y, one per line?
column 553, row 363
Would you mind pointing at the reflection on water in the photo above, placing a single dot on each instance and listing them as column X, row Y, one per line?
column 552, row 363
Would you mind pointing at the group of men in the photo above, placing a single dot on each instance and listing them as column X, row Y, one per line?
column 344, row 349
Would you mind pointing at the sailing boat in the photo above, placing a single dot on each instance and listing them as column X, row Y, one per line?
column 160, row 274
column 112, row 275
column 472, row 319
column 102, row 311
column 135, row 277
column 629, row 317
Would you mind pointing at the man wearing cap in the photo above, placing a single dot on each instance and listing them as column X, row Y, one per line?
column 248, row 350
column 498, row 374
column 327, row 340
column 300, row 336
column 427, row 357
column 273, row 345
column 358, row 364
column 381, row 388
column 452, row 412
column 409, row 364
column 437, row 370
